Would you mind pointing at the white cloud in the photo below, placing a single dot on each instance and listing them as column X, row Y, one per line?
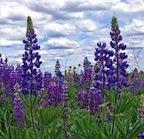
column 131, row 6
column 87, row 25
column 5, row 42
column 60, row 29
column 62, row 43
column 70, row 28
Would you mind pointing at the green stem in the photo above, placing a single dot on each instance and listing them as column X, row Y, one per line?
column 65, row 116
column 114, row 115
column 31, row 113
column 117, row 87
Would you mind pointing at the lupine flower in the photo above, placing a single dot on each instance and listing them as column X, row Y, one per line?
column 47, row 79
column 57, row 69
column 76, row 76
column 104, row 63
column 55, row 94
column 5, row 71
column 141, row 135
column 87, row 74
column 1, row 59
column 59, row 76
column 18, row 69
column 14, row 78
column 117, row 73
column 18, row 111
column 89, row 100
column 31, row 77
column 86, row 63
column 83, row 99
column 5, row 74
column 95, row 100
column 136, row 83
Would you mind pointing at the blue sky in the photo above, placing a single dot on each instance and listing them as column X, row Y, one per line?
column 69, row 30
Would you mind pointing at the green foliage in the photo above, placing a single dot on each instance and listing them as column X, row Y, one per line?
column 125, row 103
column 127, row 123
column 88, row 126
column 84, row 125
column 72, row 96
column 49, row 115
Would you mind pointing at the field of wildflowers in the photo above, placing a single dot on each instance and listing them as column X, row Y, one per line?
column 101, row 101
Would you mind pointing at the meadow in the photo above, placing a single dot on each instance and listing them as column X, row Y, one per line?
column 100, row 101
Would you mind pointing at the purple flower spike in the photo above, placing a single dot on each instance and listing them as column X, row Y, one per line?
column 103, row 66
column 89, row 100
column 55, row 94
column 18, row 111
column 141, row 135
column 118, row 70
column 86, row 63
column 31, row 76
column 95, row 100
column 83, row 99
column 87, row 75
column 57, row 69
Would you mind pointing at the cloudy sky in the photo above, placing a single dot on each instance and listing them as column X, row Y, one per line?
column 68, row 30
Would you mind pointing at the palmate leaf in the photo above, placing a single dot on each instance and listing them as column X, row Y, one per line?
column 15, row 133
column 53, row 131
column 31, row 100
column 133, row 111
column 119, row 126
column 85, row 131
column 89, row 129
column 27, row 133
column 136, row 129
column 48, row 115
column 126, row 116
column 111, row 96
column 123, row 125
column 86, row 127
column 56, row 132
column 3, row 135
column 125, row 103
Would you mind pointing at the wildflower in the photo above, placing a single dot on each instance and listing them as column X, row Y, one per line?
column 31, row 62
column 104, row 63
column 87, row 74
column 86, row 63
column 95, row 100
column 57, row 69
column 83, row 99
column 55, row 94
column 47, row 79
column 18, row 111
column 117, row 73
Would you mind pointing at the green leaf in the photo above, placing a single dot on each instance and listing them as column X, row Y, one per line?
column 111, row 96
column 125, row 103
column 136, row 129
column 119, row 126
column 48, row 115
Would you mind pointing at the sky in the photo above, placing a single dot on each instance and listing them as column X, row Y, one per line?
column 68, row 30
